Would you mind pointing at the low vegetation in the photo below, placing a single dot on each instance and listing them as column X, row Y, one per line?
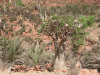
column 10, row 48
column 62, row 23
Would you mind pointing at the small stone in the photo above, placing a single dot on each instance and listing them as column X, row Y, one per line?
column 32, row 71
column 94, row 71
column 38, row 67
column 48, row 65
column 84, row 72
column 57, row 71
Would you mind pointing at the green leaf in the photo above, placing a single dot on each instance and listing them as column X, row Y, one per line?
column 57, row 28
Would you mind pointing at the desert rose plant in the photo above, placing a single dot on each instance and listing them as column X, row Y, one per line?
column 63, row 28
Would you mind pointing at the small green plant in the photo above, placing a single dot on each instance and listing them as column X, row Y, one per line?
column 53, row 10
column 99, row 25
column 30, row 30
column 28, row 39
column 87, row 55
column 99, row 37
column 0, row 14
column 15, row 48
column 36, row 52
column 20, row 22
column 22, row 30
column 32, row 4
column 38, row 33
column 19, row 3
column 13, row 19
column 6, row 32
column 38, row 39
column 77, row 9
column 43, row 0
column 4, row 20
column 22, row 25
column 8, row 4
column 2, row 8
column 98, row 54
column 50, row 69
column 11, row 28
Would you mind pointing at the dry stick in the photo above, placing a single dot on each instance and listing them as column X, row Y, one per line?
column 45, row 14
column 42, row 17
column 10, row 1
column 4, row 7
column 39, row 4
column 15, row 3
column 98, row 45
column 0, row 19
column 84, row 43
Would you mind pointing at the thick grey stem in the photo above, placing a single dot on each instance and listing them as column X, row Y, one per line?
column 10, row 1
column 59, row 63
column 1, row 65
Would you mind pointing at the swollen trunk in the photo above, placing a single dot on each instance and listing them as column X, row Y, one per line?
column 59, row 62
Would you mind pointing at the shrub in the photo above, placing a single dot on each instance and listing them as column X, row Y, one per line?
column 19, row 3
column 20, row 21
column 22, row 30
column 36, row 52
column 77, row 9
column 33, row 4
column 37, row 55
column 4, row 21
column 53, row 10
column 10, row 48
column 30, row 30
column 99, row 25
column 28, row 39
column 13, row 19
column 11, row 28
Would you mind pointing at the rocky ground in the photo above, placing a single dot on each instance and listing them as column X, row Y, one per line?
column 75, row 68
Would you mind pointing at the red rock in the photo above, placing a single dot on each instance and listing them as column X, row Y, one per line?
column 38, row 71
column 10, row 72
column 48, row 65
column 37, row 66
column 22, row 71
column 94, row 71
column 46, row 71
column 84, row 72
column 32, row 71
column 57, row 71
column 64, row 71
column 78, row 65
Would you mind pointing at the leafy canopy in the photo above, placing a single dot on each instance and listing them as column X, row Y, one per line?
column 66, row 26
